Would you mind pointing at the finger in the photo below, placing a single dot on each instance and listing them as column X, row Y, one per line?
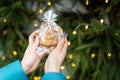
column 66, row 43
column 36, row 43
column 41, row 55
column 32, row 36
column 36, row 64
column 60, row 44
column 65, row 47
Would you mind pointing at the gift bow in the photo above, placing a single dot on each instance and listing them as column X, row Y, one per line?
column 49, row 16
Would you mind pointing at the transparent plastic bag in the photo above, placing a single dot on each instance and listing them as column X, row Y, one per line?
column 50, row 33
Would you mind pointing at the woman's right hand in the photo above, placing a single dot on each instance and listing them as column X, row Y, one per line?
column 56, row 57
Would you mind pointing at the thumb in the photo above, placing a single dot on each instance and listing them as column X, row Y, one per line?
column 41, row 56
column 60, row 45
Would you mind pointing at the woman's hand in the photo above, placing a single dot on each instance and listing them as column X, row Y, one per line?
column 56, row 57
column 31, row 59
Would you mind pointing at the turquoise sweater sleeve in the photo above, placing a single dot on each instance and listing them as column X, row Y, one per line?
column 13, row 71
column 53, row 76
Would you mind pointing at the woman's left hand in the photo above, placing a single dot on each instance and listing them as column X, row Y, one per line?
column 31, row 58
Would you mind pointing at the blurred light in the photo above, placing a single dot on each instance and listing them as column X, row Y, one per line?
column 86, row 26
column 74, row 32
column 37, row 77
column 67, row 77
column 69, row 43
column 14, row 53
column 87, row 2
column 10, row 56
column 4, row 32
column 116, row 33
column 109, row 54
column 92, row 55
column 70, row 56
column 101, row 21
column 106, row 1
column 62, row 67
column 41, row 11
column 3, row 58
column 35, row 25
column 19, row 41
column 73, row 65
column 4, row 20
column 49, row 3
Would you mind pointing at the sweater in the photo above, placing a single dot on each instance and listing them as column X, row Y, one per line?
column 14, row 71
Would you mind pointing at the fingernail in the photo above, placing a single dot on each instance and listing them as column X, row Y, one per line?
column 66, row 35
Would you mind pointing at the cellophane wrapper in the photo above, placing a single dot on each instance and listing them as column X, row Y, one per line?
column 50, row 33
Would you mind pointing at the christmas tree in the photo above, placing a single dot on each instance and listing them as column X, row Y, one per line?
column 93, row 28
